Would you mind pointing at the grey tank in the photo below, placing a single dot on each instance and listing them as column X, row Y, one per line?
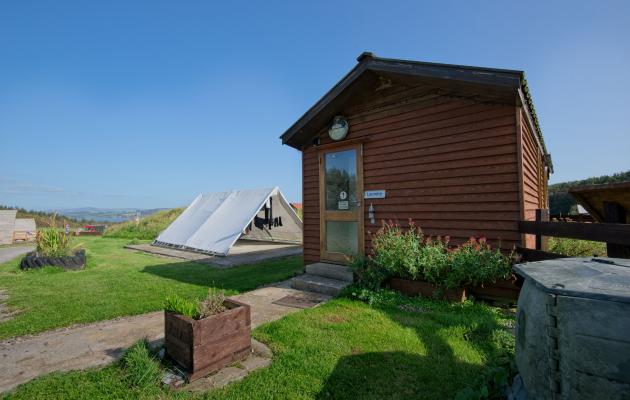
column 573, row 329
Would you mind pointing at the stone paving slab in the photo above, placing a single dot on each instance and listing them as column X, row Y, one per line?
column 98, row 344
column 243, row 252
column 260, row 357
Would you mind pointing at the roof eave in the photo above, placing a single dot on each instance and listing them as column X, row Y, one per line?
column 504, row 78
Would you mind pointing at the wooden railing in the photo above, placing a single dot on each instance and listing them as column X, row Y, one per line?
column 614, row 232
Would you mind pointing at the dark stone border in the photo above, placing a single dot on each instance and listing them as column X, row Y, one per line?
column 33, row 261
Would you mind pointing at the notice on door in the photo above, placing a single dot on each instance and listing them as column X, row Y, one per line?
column 343, row 205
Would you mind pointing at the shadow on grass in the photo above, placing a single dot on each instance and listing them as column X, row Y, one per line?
column 387, row 375
column 237, row 279
column 440, row 373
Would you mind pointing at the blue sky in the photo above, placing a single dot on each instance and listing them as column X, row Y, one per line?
column 146, row 104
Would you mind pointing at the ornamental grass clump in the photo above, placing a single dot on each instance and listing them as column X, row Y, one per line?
column 211, row 305
column 52, row 243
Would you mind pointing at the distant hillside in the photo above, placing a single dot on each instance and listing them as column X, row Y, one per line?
column 45, row 218
column 148, row 228
column 561, row 202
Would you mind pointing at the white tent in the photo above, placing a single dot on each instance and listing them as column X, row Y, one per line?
column 213, row 222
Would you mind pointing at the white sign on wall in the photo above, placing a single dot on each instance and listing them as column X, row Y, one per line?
column 374, row 194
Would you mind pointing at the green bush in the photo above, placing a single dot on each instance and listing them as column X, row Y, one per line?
column 435, row 261
column 398, row 251
column 409, row 255
column 576, row 248
column 52, row 243
column 367, row 274
column 475, row 263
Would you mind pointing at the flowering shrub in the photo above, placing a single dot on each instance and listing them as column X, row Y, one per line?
column 397, row 251
column 409, row 254
column 475, row 263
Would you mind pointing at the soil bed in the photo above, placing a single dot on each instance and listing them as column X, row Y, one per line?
column 426, row 289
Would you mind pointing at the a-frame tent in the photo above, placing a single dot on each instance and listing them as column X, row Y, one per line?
column 213, row 222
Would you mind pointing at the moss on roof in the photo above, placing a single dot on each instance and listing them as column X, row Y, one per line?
column 532, row 111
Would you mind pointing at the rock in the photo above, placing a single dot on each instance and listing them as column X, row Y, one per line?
column 172, row 379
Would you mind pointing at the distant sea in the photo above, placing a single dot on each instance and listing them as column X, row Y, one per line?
column 106, row 214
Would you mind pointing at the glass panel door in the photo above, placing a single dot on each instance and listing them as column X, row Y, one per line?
column 341, row 209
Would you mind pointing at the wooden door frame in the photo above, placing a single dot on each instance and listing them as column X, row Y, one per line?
column 338, row 257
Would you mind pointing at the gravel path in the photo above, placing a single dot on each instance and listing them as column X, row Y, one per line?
column 85, row 346
column 9, row 253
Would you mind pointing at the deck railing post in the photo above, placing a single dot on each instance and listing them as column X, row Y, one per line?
column 542, row 215
column 614, row 213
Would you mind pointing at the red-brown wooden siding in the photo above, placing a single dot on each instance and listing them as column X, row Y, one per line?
column 534, row 176
column 449, row 164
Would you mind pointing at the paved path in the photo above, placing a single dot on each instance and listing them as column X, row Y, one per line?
column 243, row 252
column 9, row 253
column 86, row 346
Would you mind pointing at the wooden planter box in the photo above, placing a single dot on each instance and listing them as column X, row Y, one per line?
column 206, row 345
column 426, row 289
column 501, row 290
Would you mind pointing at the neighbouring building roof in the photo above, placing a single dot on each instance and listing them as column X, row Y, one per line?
column 497, row 81
column 592, row 197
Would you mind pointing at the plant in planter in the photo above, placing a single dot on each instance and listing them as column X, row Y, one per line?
column 428, row 266
column 205, row 336
column 53, row 249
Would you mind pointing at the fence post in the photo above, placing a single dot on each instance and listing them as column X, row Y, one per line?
column 542, row 215
column 614, row 213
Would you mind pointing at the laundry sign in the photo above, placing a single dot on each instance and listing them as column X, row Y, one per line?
column 374, row 194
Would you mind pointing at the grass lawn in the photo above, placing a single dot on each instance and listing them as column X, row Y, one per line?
column 118, row 282
column 345, row 349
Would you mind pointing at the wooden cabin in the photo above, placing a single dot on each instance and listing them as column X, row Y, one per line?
column 457, row 149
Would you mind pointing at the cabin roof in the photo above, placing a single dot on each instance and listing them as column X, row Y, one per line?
column 498, row 80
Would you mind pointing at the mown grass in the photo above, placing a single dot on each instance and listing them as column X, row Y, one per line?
column 345, row 349
column 147, row 229
column 118, row 282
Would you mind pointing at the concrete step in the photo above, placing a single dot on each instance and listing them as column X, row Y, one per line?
column 332, row 271
column 318, row 284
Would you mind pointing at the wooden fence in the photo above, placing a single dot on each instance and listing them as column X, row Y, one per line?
column 615, row 232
